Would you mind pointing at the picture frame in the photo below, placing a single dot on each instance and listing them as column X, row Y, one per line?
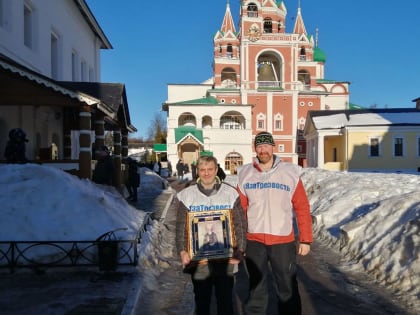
column 210, row 235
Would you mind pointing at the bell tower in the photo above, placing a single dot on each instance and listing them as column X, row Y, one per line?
column 264, row 79
column 226, row 62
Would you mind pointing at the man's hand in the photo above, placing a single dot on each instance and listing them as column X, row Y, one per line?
column 238, row 256
column 304, row 249
column 185, row 258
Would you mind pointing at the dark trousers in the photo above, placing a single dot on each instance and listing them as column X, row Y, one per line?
column 132, row 191
column 282, row 258
column 223, row 288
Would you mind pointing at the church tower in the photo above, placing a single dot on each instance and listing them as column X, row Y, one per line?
column 281, row 74
column 264, row 79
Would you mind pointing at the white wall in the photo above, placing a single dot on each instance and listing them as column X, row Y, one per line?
column 61, row 17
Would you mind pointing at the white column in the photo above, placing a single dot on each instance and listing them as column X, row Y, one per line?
column 320, row 153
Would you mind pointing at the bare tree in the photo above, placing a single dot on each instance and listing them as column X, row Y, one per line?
column 158, row 130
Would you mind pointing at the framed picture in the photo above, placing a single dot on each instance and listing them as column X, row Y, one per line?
column 210, row 234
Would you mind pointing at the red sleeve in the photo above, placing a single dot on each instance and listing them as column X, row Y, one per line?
column 303, row 213
column 243, row 199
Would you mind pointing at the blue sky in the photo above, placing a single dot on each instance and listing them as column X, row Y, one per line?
column 373, row 44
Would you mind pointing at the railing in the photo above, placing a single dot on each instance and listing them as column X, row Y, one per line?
column 276, row 85
column 66, row 253
column 29, row 254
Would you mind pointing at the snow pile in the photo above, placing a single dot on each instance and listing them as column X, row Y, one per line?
column 372, row 218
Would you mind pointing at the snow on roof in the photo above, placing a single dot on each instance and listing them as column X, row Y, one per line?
column 330, row 122
column 384, row 118
column 357, row 118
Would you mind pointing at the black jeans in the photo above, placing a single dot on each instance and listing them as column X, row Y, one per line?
column 223, row 288
column 132, row 191
column 282, row 258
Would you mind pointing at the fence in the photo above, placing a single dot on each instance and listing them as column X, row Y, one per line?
column 106, row 252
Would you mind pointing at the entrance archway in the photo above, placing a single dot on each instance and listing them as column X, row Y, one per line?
column 232, row 161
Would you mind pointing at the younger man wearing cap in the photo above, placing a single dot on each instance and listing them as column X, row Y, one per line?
column 270, row 190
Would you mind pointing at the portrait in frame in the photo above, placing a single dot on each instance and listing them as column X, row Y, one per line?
column 210, row 234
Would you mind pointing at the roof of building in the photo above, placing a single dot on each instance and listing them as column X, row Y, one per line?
column 160, row 147
column 106, row 96
column 184, row 131
column 209, row 100
column 335, row 119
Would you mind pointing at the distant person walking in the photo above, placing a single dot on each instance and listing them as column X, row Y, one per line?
column 133, row 180
column 272, row 193
column 221, row 173
column 194, row 170
column 156, row 167
column 15, row 151
column 180, row 170
column 104, row 169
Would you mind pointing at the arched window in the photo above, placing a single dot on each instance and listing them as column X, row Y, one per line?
column 268, row 26
column 232, row 161
column 269, row 70
column 187, row 119
column 232, row 120
column 305, row 78
column 228, row 78
column 302, row 55
column 229, row 51
column 252, row 10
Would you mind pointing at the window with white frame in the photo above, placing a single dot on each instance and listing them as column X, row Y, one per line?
column 281, row 148
column 374, row 146
column 187, row 120
column 91, row 75
column 261, row 121
column 28, row 26
column 278, row 122
column 398, row 146
column 230, row 122
column 54, row 56
column 74, row 67
column 83, row 71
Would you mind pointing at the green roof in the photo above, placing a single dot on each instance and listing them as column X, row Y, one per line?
column 354, row 106
column 183, row 131
column 204, row 100
column 319, row 55
column 160, row 147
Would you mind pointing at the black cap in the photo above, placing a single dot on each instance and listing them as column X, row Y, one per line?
column 264, row 137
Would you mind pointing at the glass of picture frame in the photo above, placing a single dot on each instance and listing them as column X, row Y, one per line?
column 210, row 234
